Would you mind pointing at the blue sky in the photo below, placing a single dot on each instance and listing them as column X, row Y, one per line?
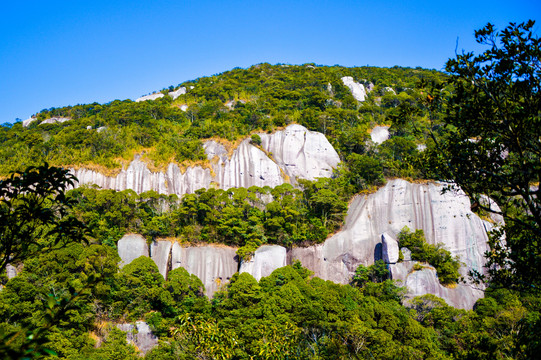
column 58, row 53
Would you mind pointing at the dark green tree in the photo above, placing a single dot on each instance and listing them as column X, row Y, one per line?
column 493, row 145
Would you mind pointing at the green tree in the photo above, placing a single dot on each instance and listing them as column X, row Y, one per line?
column 35, row 213
column 493, row 144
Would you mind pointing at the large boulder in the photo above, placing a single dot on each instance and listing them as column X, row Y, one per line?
column 379, row 134
column 265, row 260
column 130, row 247
column 357, row 90
column 301, row 153
column 389, row 249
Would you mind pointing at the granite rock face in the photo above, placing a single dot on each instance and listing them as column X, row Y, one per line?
column 266, row 259
column 27, row 122
column 213, row 265
column 180, row 91
column 445, row 218
column 379, row 134
column 150, row 97
column 389, row 248
column 11, row 271
column 130, row 247
column 301, row 153
column 357, row 90
column 139, row 335
column 296, row 153
column 160, row 252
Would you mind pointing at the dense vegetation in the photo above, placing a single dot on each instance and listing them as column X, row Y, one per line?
column 445, row 264
column 70, row 293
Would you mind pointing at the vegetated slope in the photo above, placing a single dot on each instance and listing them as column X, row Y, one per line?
column 229, row 106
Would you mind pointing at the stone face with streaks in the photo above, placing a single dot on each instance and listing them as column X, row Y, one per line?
column 150, row 97
column 296, row 153
column 301, row 153
column 445, row 218
column 180, row 91
column 160, row 252
column 266, row 259
column 357, row 90
column 213, row 265
column 130, row 247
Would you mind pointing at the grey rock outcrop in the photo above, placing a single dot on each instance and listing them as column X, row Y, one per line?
column 379, row 134
column 11, row 271
column 150, row 97
column 55, row 120
column 296, row 153
column 139, row 335
column 265, row 260
column 389, row 248
column 301, row 153
column 27, row 122
column 357, row 90
column 180, row 91
column 130, row 247
column 213, row 265
column 160, row 252
column 425, row 281
column 445, row 218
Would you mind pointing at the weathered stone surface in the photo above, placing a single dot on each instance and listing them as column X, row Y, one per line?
column 27, row 122
column 11, row 271
column 130, row 247
column 421, row 147
column 180, row 91
column 266, row 259
column 406, row 253
column 184, row 107
column 213, row 265
column 389, row 249
column 297, row 152
column 379, row 134
column 389, row 89
column 55, row 120
column 357, row 90
column 139, row 178
column 425, row 281
column 160, row 252
column 150, row 97
column 445, row 218
column 248, row 166
column 301, row 153
column 139, row 335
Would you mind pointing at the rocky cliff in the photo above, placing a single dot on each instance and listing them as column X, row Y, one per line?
column 284, row 156
column 369, row 234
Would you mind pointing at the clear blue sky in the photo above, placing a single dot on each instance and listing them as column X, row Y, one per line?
column 57, row 53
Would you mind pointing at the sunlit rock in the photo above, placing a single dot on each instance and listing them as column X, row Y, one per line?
column 265, row 260
column 379, row 134
column 212, row 264
column 130, row 247
column 150, row 97
column 357, row 90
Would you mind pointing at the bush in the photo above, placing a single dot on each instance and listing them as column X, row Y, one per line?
column 446, row 265
column 256, row 139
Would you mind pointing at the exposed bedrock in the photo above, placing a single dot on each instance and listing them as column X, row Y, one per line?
column 140, row 335
column 357, row 90
column 445, row 218
column 296, row 152
column 266, row 259
column 301, row 153
column 369, row 233
column 160, row 252
column 379, row 134
column 213, row 265
column 130, row 247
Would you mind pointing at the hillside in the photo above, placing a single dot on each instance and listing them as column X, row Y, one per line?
column 279, row 211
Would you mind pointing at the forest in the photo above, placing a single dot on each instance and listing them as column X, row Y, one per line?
column 475, row 124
